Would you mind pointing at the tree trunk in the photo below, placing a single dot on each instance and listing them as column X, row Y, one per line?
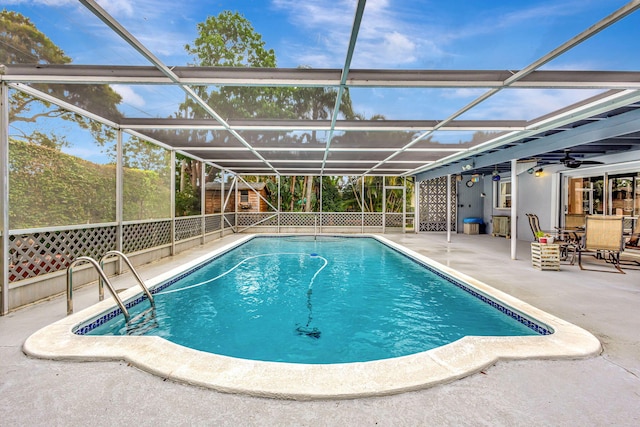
column 309, row 190
column 183, row 167
column 293, row 192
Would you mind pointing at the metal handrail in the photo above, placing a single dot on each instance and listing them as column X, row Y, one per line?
column 133, row 271
column 101, row 294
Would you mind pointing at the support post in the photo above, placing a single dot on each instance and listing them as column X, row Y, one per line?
column 119, row 198
column 449, row 208
column 4, row 198
column 173, row 202
column 416, row 211
column 203, row 203
column 279, row 203
column 362, row 204
column 222, row 201
column 321, row 205
column 514, row 208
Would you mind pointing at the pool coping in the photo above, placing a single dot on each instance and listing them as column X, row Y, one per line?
column 306, row 382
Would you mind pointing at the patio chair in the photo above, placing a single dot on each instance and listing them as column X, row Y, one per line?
column 567, row 244
column 534, row 223
column 603, row 236
column 633, row 240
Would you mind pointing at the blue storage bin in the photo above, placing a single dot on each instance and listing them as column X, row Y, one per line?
column 473, row 220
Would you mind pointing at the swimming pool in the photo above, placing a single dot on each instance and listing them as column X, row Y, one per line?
column 309, row 381
column 308, row 299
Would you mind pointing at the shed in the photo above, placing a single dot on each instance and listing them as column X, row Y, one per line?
column 249, row 199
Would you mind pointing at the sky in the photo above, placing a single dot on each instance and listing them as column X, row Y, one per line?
column 394, row 34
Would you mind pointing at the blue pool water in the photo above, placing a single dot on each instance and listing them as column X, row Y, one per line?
column 325, row 300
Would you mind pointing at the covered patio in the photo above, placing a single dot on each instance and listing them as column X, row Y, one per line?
column 597, row 391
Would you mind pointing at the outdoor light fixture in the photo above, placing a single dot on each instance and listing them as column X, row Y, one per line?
column 467, row 167
column 530, row 171
column 539, row 172
column 495, row 176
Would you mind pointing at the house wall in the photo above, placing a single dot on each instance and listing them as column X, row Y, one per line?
column 470, row 202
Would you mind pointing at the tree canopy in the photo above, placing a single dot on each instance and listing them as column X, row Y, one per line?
column 22, row 43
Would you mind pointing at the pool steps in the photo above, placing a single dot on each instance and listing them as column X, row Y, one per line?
column 99, row 267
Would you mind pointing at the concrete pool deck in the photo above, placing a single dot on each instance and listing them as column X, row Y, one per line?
column 602, row 390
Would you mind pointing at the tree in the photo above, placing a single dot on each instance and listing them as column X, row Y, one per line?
column 229, row 40
column 22, row 43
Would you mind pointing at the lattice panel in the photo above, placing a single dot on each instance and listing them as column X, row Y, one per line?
column 230, row 220
column 393, row 220
column 373, row 220
column 289, row 219
column 138, row 237
column 433, row 205
column 188, row 227
column 212, row 223
column 249, row 219
column 342, row 219
column 48, row 251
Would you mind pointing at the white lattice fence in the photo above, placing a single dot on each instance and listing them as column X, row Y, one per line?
column 141, row 236
column 188, row 227
column 249, row 219
column 42, row 252
column 294, row 219
column 338, row 219
column 373, row 220
column 393, row 220
column 230, row 220
column 212, row 223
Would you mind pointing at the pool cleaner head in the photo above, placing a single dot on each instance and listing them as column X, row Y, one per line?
column 310, row 332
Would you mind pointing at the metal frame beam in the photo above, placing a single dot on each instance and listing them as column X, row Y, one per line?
column 317, row 77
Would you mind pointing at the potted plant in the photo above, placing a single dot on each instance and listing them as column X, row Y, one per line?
column 541, row 237
column 544, row 237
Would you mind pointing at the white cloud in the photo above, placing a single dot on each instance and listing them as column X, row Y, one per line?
column 117, row 8
column 527, row 104
column 44, row 2
column 129, row 96
column 385, row 39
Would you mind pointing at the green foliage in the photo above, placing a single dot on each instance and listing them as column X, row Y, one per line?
column 50, row 188
column 146, row 195
column 21, row 42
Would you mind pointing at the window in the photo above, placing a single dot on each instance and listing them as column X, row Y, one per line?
column 503, row 191
column 244, row 196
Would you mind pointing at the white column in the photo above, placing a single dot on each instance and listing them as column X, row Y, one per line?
column 449, row 208
column 203, row 202
column 514, row 208
column 119, row 198
column 4, row 197
column 172, row 196
column 279, row 202
column 416, row 212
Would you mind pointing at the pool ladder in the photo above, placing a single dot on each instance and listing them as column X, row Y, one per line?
column 99, row 267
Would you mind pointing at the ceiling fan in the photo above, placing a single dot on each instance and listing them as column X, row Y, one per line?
column 573, row 163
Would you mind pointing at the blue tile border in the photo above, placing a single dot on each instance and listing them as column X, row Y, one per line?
column 85, row 328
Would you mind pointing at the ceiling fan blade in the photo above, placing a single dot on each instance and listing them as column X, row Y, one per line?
column 572, row 164
column 591, row 162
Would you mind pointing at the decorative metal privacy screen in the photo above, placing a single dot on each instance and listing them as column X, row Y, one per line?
column 433, row 204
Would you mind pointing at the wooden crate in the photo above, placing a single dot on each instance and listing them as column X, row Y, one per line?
column 545, row 256
column 471, row 228
column 501, row 226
